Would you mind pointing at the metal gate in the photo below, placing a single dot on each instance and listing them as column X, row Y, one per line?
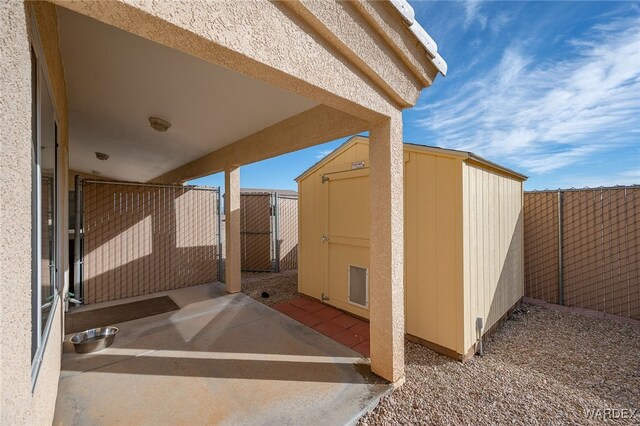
column 137, row 239
column 286, row 232
column 268, row 231
column 256, row 229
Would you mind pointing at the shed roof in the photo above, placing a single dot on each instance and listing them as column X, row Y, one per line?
column 286, row 192
column 465, row 155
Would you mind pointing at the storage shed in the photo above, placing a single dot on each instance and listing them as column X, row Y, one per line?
column 463, row 240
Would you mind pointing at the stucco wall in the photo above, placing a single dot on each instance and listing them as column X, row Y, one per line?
column 18, row 404
column 265, row 40
column 286, row 49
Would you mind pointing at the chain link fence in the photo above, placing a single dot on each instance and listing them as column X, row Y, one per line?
column 268, row 230
column 256, row 250
column 287, row 232
column 541, row 246
column 139, row 239
column 582, row 248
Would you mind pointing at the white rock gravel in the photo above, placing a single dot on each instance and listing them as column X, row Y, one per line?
column 541, row 367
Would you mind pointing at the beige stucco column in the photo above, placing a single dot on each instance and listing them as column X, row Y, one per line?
column 232, row 228
column 386, row 297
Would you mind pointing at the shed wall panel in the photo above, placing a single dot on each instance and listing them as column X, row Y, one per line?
column 433, row 244
column 493, row 247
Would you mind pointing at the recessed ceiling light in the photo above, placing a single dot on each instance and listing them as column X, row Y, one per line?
column 102, row 156
column 159, row 124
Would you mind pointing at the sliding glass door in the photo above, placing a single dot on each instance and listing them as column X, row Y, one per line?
column 44, row 196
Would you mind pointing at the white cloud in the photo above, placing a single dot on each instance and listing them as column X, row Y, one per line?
column 542, row 116
column 499, row 21
column 472, row 13
column 321, row 154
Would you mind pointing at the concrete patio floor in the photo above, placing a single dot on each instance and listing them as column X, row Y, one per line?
column 220, row 359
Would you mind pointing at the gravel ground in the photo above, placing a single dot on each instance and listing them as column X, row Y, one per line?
column 281, row 287
column 541, row 367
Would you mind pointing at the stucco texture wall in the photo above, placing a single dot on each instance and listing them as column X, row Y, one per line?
column 296, row 50
column 277, row 43
column 19, row 405
column 15, row 213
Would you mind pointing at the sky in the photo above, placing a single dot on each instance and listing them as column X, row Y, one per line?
column 550, row 89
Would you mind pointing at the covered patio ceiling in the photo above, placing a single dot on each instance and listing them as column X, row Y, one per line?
column 117, row 80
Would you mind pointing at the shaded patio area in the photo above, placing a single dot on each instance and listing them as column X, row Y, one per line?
column 222, row 358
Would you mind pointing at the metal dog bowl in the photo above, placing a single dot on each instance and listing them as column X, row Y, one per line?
column 93, row 340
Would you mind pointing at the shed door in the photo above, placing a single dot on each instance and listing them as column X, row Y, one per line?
column 346, row 240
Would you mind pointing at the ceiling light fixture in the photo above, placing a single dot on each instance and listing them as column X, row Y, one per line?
column 159, row 124
column 102, row 156
column 95, row 172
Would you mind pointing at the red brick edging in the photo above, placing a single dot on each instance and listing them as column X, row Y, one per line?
column 337, row 325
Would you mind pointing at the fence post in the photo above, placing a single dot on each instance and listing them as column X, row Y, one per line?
column 219, row 229
column 78, row 289
column 560, row 258
column 276, row 231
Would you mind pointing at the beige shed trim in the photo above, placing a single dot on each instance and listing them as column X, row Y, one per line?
column 467, row 157
column 333, row 154
column 488, row 165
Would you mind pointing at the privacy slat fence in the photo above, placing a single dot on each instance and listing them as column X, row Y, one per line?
column 269, row 231
column 582, row 248
column 140, row 239
column 256, row 249
column 287, row 232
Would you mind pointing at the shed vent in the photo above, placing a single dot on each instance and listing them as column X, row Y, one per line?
column 358, row 285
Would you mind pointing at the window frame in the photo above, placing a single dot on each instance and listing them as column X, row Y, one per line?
column 40, row 333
